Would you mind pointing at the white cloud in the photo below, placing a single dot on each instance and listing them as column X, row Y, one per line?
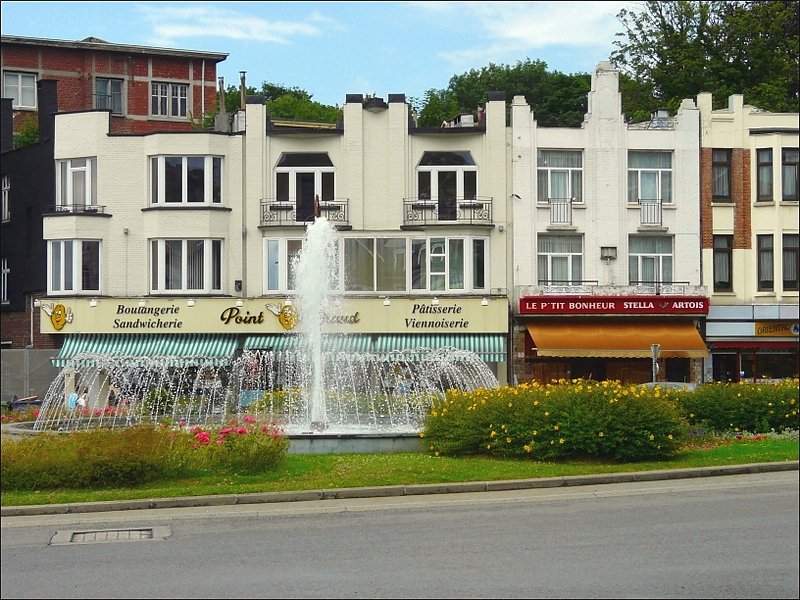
column 171, row 23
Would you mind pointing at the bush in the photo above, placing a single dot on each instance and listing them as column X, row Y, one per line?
column 102, row 458
column 569, row 418
column 758, row 408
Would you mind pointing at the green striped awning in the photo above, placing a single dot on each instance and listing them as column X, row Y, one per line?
column 183, row 348
column 490, row 347
column 330, row 343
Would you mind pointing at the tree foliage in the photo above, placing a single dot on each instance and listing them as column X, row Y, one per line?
column 28, row 133
column 558, row 99
column 679, row 48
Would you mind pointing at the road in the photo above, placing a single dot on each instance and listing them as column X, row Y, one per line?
column 718, row 537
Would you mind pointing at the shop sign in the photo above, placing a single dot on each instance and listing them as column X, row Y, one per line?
column 615, row 305
column 777, row 329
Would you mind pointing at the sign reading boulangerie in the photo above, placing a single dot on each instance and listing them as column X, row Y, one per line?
column 598, row 305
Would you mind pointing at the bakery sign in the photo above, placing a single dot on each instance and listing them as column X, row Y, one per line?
column 613, row 305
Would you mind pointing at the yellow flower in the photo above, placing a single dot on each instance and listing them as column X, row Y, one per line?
column 422, row 434
column 436, row 453
column 493, row 434
column 669, row 437
column 508, row 440
column 652, row 437
column 555, row 427
column 546, row 413
column 527, row 448
column 601, row 434
column 561, row 440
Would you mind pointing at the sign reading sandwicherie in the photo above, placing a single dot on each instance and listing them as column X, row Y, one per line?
column 600, row 305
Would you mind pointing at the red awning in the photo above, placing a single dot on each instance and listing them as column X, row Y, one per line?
column 736, row 345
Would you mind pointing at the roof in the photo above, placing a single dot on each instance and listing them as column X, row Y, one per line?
column 94, row 43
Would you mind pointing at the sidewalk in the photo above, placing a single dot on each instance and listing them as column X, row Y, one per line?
column 392, row 490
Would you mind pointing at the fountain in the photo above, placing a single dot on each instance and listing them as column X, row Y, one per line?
column 313, row 391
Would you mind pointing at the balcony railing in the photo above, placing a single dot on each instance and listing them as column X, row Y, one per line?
column 658, row 288
column 450, row 211
column 563, row 286
column 289, row 213
column 560, row 211
column 650, row 211
column 85, row 209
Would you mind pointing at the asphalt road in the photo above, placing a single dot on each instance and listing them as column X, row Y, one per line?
column 717, row 537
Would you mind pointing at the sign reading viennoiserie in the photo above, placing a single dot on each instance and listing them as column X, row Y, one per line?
column 600, row 305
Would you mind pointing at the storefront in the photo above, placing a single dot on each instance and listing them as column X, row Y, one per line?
column 610, row 337
column 219, row 329
column 753, row 342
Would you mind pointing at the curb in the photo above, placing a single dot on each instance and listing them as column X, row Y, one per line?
column 392, row 490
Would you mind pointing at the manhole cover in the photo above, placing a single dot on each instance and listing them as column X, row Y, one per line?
column 99, row 536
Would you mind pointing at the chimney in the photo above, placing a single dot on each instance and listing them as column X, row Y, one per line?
column 6, row 126
column 47, row 94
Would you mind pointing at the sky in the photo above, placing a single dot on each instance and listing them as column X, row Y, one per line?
column 330, row 49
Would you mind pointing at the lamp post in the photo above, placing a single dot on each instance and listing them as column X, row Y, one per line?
column 655, row 349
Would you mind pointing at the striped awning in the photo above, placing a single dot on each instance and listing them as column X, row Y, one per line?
column 180, row 349
column 490, row 347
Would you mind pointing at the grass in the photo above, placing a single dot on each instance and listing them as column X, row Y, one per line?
column 313, row 472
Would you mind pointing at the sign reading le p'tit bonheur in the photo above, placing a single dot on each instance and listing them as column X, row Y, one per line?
column 598, row 305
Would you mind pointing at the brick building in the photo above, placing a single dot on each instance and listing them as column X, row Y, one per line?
column 145, row 89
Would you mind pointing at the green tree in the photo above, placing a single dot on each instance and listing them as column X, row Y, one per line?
column 301, row 107
column 28, row 133
column 558, row 99
column 679, row 48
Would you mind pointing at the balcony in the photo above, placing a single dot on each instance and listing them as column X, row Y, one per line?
column 560, row 211
column 650, row 212
column 421, row 212
column 76, row 209
column 291, row 213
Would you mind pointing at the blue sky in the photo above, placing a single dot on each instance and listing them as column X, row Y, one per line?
column 331, row 49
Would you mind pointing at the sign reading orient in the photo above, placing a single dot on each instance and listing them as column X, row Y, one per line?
column 597, row 305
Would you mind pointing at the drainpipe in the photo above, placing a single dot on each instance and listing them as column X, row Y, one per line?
column 244, row 188
column 203, row 93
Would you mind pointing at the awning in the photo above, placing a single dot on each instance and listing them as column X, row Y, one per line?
column 628, row 339
column 180, row 349
column 761, row 345
column 330, row 343
column 490, row 347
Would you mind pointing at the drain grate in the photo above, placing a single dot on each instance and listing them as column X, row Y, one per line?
column 99, row 536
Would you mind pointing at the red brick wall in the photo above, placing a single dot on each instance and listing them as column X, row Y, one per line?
column 16, row 328
column 740, row 196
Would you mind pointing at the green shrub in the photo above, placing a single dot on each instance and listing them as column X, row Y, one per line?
column 102, row 458
column 757, row 408
column 570, row 418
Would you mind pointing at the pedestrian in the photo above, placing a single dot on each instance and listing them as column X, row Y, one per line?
column 83, row 400
column 112, row 396
column 72, row 400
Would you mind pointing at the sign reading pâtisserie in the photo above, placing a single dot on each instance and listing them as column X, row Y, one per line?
column 601, row 305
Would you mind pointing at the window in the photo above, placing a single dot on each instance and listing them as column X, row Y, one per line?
column 789, row 173
column 4, row 273
column 191, row 180
column 791, row 254
column 169, row 99
column 560, row 259
column 21, row 88
column 560, row 175
column 444, row 178
column 6, row 198
column 300, row 177
column 650, row 259
column 649, row 177
column 720, row 175
column 186, row 265
column 766, row 261
column 73, row 266
column 443, row 264
column 723, row 263
column 764, row 175
column 76, row 183
column 108, row 94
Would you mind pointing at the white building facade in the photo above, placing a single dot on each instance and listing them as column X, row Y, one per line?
column 606, row 243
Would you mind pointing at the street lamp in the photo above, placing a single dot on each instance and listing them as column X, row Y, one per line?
column 655, row 349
